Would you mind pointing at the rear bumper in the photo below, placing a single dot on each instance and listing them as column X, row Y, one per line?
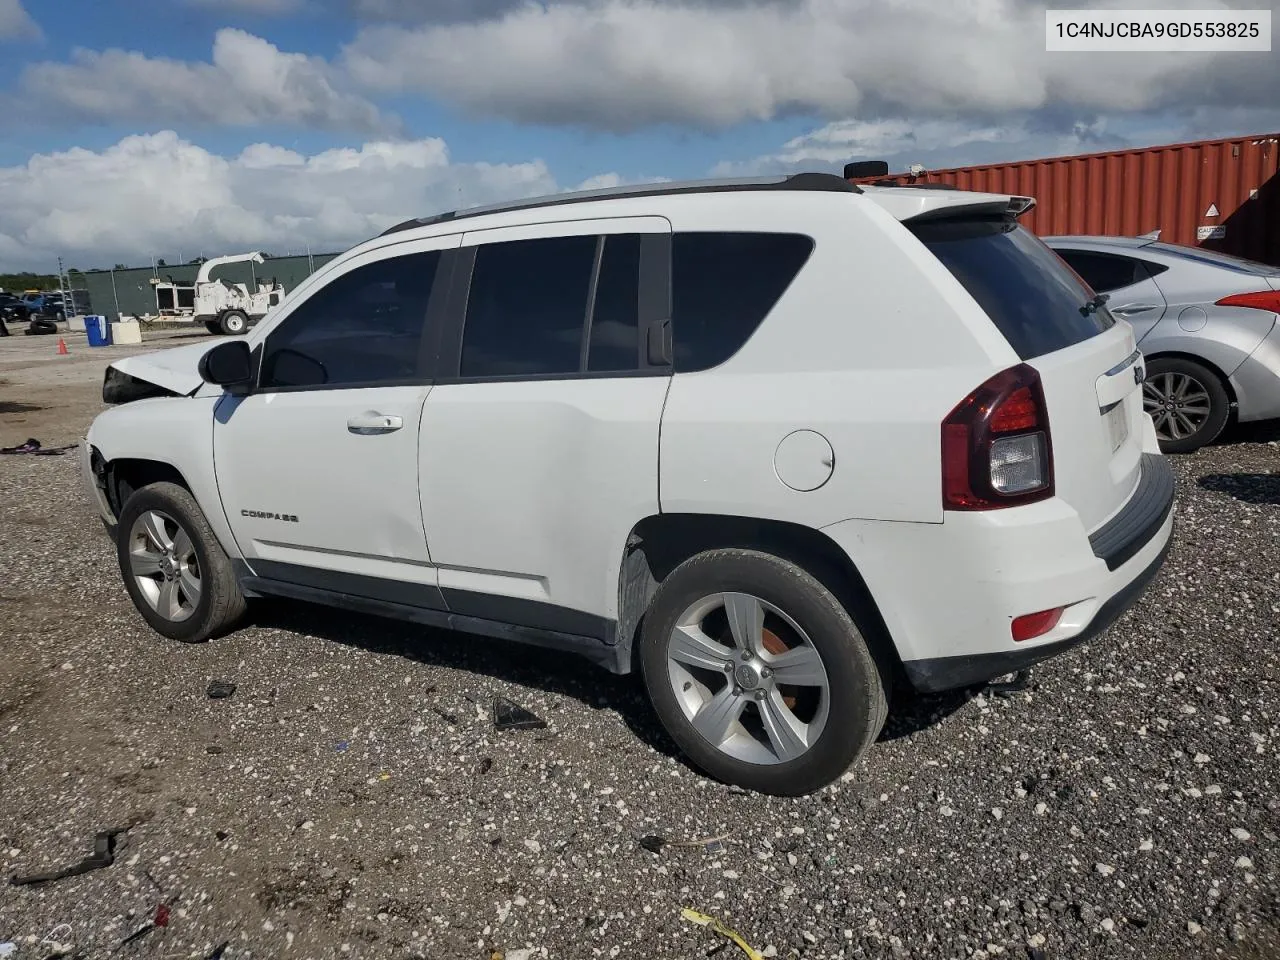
column 948, row 673
column 949, row 592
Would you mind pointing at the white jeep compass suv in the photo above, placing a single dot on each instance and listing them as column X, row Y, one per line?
column 776, row 443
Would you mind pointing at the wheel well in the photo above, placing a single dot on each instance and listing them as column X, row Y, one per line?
column 1201, row 361
column 125, row 476
column 658, row 544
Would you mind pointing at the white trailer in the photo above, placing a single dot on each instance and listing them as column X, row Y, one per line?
column 223, row 307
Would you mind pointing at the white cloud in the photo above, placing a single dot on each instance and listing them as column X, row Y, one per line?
column 626, row 64
column 161, row 195
column 249, row 82
column 15, row 22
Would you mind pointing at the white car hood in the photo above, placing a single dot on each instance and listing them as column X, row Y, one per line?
column 176, row 368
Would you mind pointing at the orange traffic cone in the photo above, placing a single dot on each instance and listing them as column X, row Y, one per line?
column 62, row 347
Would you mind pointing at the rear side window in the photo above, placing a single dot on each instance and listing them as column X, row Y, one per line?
column 1033, row 299
column 1102, row 272
column 723, row 285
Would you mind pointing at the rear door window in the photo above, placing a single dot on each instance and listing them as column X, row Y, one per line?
column 528, row 307
column 1031, row 296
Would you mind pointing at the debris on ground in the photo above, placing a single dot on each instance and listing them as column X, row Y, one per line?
column 161, row 919
column 446, row 716
column 512, row 716
column 655, row 844
column 218, row 951
column 104, row 854
column 220, row 689
column 705, row 921
column 8, row 948
column 58, row 941
column 1018, row 683
column 33, row 448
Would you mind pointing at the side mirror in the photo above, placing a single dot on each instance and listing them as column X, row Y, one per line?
column 228, row 365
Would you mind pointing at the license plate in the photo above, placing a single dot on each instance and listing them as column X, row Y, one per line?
column 1117, row 425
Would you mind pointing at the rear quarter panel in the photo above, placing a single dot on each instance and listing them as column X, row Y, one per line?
column 871, row 346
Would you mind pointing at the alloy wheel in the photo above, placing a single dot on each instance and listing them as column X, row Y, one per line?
column 164, row 565
column 748, row 678
column 1178, row 404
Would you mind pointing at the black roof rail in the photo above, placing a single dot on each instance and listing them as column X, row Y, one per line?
column 827, row 182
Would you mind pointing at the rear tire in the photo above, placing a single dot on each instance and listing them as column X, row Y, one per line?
column 233, row 323
column 212, row 326
column 176, row 572
column 1187, row 401
column 781, row 738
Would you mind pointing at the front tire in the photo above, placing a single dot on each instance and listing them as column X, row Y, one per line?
column 233, row 323
column 759, row 673
column 1187, row 401
column 213, row 326
column 176, row 572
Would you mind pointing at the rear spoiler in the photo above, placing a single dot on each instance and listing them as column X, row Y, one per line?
column 1013, row 207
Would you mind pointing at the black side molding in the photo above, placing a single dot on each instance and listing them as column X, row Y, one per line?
column 949, row 673
column 1132, row 528
column 504, row 618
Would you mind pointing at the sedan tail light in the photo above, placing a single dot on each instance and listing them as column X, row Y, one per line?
column 996, row 448
column 1262, row 300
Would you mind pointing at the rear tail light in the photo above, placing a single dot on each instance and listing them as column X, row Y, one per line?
column 1034, row 625
column 1262, row 300
column 996, row 449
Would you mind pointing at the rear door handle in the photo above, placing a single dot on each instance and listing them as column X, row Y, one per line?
column 1129, row 309
column 372, row 423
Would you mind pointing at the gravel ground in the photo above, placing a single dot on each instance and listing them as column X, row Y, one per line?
column 352, row 799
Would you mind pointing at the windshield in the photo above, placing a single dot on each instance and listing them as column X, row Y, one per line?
column 1030, row 294
column 1216, row 259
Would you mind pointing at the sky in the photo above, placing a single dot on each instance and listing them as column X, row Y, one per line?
column 136, row 129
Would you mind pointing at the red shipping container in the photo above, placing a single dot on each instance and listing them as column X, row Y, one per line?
column 1219, row 194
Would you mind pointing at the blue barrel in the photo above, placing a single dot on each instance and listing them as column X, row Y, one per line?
column 97, row 331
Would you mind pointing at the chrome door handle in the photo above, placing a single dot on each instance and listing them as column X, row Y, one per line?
column 372, row 424
column 1131, row 308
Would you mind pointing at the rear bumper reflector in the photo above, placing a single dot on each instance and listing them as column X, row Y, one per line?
column 1032, row 625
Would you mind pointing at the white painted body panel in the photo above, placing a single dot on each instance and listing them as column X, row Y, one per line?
column 952, row 589
column 1094, row 479
column 355, row 496
column 177, row 431
column 176, row 368
column 530, row 489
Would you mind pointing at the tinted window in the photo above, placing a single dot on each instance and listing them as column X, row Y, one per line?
column 1102, row 271
column 1024, row 287
column 615, row 328
column 364, row 327
column 527, row 307
column 722, row 287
